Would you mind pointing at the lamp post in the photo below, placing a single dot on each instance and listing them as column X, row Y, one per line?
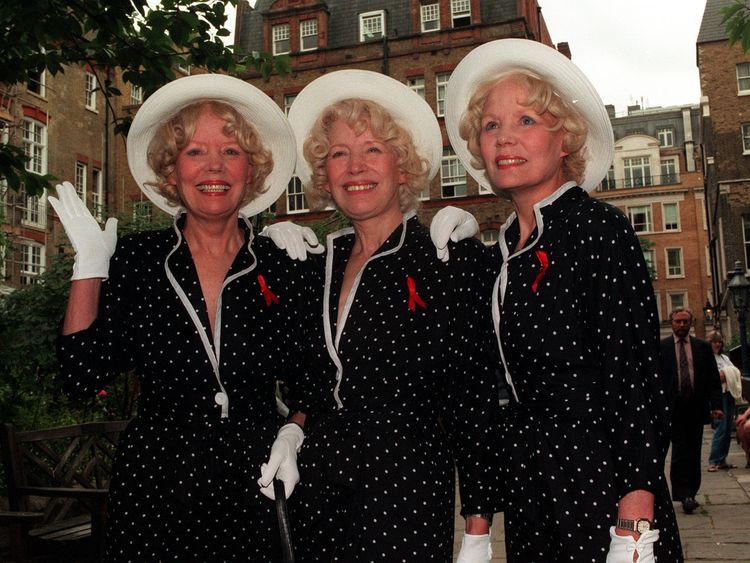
column 739, row 289
column 709, row 314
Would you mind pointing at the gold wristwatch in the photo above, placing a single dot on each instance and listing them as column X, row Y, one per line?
column 641, row 525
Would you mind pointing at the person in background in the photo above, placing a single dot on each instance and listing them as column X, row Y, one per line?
column 731, row 389
column 689, row 367
column 743, row 434
column 204, row 312
column 394, row 389
column 574, row 322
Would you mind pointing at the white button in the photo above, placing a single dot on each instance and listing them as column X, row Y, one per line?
column 221, row 398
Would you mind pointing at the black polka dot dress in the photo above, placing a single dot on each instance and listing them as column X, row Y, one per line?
column 394, row 393
column 576, row 329
column 184, row 485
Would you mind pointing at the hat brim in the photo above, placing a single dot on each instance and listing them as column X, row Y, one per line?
column 496, row 57
column 406, row 107
column 256, row 107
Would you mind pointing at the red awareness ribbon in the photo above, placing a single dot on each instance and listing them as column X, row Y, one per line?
column 542, row 257
column 414, row 298
column 267, row 293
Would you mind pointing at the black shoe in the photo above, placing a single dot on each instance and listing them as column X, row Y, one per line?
column 688, row 505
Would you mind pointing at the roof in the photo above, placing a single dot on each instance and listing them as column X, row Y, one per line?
column 711, row 27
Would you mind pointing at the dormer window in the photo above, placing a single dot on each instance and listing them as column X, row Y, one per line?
column 371, row 25
column 308, row 35
column 281, row 43
column 430, row 14
column 461, row 12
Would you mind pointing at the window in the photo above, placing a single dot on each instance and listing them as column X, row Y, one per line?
column 746, row 237
column 461, row 12
column 35, row 211
column 90, row 91
column 441, row 82
column 97, row 195
column 371, row 25
column 668, row 171
column 650, row 257
column 608, row 183
column 35, row 146
column 417, row 84
column 424, row 195
column 746, row 138
column 136, row 95
column 675, row 300
column 80, row 180
column 674, row 262
column 288, row 101
column 32, row 262
column 489, row 236
column 142, row 211
column 308, row 35
column 743, row 78
column 452, row 175
column 671, row 216
column 37, row 83
column 295, row 196
column 281, row 43
column 665, row 136
column 430, row 17
column 640, row 217
column 637, row 172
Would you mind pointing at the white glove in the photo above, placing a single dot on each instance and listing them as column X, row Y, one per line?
column 296, row 240
column 621, row 548
column 93, row 246
column 475, row 549
column 282, row 462
column 454, row 224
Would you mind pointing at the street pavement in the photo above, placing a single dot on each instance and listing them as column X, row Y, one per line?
column 717, row 532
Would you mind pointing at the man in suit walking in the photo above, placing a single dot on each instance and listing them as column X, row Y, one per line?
column 690, row 368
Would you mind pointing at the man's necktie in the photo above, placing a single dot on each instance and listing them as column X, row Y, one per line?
column 686, row 386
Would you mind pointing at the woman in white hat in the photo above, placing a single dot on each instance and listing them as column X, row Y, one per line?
column 575, row 322
column 202, row 312
column 387, row 399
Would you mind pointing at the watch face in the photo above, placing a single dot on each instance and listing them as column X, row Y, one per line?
column 643, row 526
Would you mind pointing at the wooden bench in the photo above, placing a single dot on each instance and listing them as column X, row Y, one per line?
column 57, row 486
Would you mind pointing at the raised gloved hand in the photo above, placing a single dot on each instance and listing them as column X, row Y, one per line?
column 94, row 246
column 475, row 549
column 622, row 548
column 451, row 223
column 282, row 463
column 296, row 240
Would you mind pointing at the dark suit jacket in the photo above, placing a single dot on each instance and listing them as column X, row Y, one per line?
column 707, row 384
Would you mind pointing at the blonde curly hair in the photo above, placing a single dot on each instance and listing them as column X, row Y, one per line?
column 361, row 115
column 176, row 134
column 543, row 98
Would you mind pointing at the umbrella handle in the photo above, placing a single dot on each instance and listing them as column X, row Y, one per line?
column 285, row 529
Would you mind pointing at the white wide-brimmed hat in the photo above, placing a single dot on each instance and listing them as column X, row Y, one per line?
column 256, row 107
column 406, row 107
column 496, row 57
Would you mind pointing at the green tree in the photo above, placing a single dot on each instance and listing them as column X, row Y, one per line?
column 145, row 42
column 736, row 20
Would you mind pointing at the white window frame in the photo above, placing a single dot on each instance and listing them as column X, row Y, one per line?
column 745, row 131
column 429, row 15
column 452, row 175
column 674, row 270
column 308, row 28
column 460, row 10
column 672, row 305
column 80, row 179
column 648, row 216
column 641, row 165
column 136, row 95
column 296, row 202
column 143, row 211
column 41, row 82
column 364, row 25
column 35, row 145
column 97, row 194
column 281, row 34
column 91, row 91
column 33, row 260
column 288, row 101
column 34, row 211
column 608, row 182
column 671, row 226
column 416, row 83
column 743, row 78
column 665, row 136
column 669, row 169
column 441, row 84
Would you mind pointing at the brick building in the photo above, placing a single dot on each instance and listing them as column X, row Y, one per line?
column 656, row 180
column 416, row 42
column 725, row 87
